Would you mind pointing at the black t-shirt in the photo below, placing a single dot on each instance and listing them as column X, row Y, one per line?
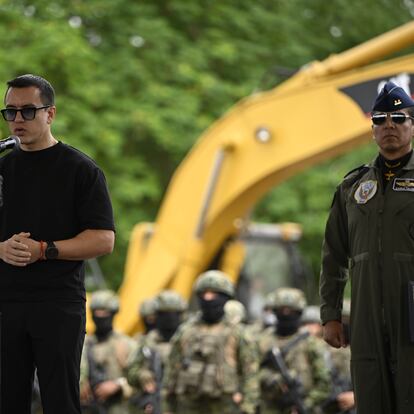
column 54, row 194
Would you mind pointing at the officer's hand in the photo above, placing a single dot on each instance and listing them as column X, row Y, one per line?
column 106, row 389
column 15, row 250
column 333, row 334
column 346, row 400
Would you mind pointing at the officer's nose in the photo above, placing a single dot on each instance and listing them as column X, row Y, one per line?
column 388, row 122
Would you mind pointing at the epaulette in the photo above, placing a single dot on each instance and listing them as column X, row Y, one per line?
column 354, row 175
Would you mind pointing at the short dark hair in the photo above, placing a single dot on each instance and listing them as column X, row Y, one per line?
column 47, row 93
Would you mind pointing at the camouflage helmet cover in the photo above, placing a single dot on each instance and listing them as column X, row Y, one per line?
column 311, row 314
column 170, row 301
column 104, row 299
column 289, row 297
column 235, row 311
column 148, row 307
column 216, row 281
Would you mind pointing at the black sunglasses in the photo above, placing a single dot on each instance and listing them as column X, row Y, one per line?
column 396, row 117
column 28, row 114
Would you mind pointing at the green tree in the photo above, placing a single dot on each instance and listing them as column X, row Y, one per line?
column 138, row 81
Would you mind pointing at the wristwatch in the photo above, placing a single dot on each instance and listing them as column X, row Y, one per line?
column 51, row 251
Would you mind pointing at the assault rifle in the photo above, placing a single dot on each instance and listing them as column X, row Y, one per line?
column 275, row 359
column 97, row 375
column 293, row 394
column 144, row 399
column 340, row 384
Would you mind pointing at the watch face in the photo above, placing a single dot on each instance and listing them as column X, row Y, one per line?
column 51, row 252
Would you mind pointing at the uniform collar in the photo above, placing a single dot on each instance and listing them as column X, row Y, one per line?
column 408, row 166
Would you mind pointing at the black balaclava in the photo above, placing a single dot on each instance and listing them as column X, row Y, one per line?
column 167, row 323
column 287, row 323
column 213, row 310
column 104, row 325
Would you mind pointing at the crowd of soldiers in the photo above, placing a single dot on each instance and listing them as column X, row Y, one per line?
column 213, row 360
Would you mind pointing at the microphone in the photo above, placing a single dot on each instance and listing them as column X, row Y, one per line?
column 10, row 142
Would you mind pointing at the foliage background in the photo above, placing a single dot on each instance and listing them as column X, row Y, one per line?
column 137, row 81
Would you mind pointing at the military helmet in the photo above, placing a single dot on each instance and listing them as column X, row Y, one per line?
column 289, row 297
column 216, row 281
column 148, row 307
column 235, row 311
column 104, row 299
column 170, row 301
column 269, row 301
column 311, row 314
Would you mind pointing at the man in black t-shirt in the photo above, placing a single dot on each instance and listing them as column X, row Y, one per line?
column 55, row 213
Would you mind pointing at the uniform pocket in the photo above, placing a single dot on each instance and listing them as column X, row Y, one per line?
column 189, row 379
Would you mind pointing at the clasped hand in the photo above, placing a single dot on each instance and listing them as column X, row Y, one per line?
column 20, row 250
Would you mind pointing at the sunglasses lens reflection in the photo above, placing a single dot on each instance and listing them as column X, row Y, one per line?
column 397, row 118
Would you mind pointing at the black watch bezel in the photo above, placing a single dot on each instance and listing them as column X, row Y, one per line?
column 51, row 251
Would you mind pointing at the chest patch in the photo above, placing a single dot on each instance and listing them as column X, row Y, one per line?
column 403, row 184
column 365, row 191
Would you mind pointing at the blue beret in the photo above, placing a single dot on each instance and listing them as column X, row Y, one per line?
column 391, row 98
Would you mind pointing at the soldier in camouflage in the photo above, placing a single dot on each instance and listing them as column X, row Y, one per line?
column 104, row 387
column 343, row 401
column 148, row 313
column 145, row 368
column 293, row 376
column 213, row 364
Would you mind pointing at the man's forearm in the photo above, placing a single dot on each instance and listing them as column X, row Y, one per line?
column 86, row 245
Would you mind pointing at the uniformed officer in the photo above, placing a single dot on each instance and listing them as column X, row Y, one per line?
column 213, row 364
column 104, row 359
column 370, row 233
column 145, row 369
column 294, row 376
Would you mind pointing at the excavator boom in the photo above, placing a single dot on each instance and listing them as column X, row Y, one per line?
column 320, row 112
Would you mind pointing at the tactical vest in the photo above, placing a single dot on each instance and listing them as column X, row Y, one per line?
column 209, row 364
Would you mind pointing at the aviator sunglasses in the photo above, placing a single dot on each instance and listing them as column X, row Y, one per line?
column 28, row 114
column 396, row 118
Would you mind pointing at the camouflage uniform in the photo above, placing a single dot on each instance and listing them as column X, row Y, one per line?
column 109, row 358
column 147, row 312
column 340, row 366
column 305, row 361
column 211, row 364
column 139, row 371
column 147, row 364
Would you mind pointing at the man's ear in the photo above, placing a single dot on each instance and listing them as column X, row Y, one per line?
column 51, row 113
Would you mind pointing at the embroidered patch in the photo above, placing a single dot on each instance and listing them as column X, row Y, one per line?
column 365, row 191
column 403, row 184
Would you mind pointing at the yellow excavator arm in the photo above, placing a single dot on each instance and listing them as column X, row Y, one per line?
column 318, row 113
